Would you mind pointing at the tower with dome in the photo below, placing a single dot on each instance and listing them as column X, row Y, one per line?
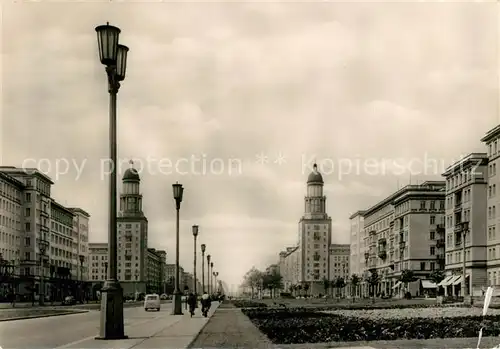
column 132, row 235
column 315, row 235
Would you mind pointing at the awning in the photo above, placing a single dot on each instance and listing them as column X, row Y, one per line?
column 446, row 281
column 458, row 280
column 428, row 284
column 397, row 285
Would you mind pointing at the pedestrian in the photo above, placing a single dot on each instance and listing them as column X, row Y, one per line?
column 205, row 304
column 192, row 303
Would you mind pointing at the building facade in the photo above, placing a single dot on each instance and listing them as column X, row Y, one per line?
column 402, row 232
column 339, row 261
column 357, row 243
column 81, row 241
column 492, row 141
column 156, row 264
column 34, row 216
column 466, row 223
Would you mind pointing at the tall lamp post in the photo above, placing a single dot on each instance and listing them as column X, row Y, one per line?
column 211, row 278
column 367, row 256
column 216, row 273
column 106, row 269
column 203, row 247
column 114, row 57
column 42, row 246
column 195, row 234
column 208, row 273
column 177, row 301
column 82, row 259
column 465, row 230
column 136, row 274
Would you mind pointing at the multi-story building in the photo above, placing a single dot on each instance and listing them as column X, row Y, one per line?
column 492, row 140
column 81, row 241
column 98, row 256
column 132, row 236
column 357, row 250
column 339, row 261
column 315, row 230
column 289, row 266
column 402, row 232
column 466, row 222
column 170, row 278
column 156, row 262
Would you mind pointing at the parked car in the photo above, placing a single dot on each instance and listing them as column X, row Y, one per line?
column 69, row 300
column 152, row 301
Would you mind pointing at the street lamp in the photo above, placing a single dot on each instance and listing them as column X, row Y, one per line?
column 211, row 279
column 367, row 255
column 177, row 301
column 195, row 234
column 42, row 246
column 114, row 57
column 208, row 273
column 203, row 247
column 106, row 269
column 216, row 273
column 465, row 230
column 82, row 259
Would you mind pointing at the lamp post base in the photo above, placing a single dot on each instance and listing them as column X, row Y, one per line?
column 177, row 304
column 112, row 326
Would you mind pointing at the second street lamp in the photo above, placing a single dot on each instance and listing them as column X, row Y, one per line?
column 177, row 301
column 195, row 234
column 114, row 57
column 43, row 245
column 211, row 278
column 203, row 247
column 208, row 274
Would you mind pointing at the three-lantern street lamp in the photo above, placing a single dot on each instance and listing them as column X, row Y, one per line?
column 195, row 235
column 203, row 247
column 216, row 273
column 114, row 56
column 211, row 278
column 82, row 259
column 177, row 299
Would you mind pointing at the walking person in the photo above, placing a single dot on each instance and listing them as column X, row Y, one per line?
column 205, row 304
column 191, row 301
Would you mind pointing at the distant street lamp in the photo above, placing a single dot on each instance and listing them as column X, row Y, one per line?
column 106, row 269
column 195, row 235
column 114, row 57
column 177, row 301
column 203, row 247
column 43, row 245
column 82, row 259
column 208, row 273
column 216, row 273
column 211, row 279
column 465, row 231
column 135, row 283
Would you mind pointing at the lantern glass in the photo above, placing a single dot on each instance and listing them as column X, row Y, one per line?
column 82, row 258
column 178, row 190
column 121, row 62
column 107, row 41
column 42, row 246
column 212, row 265
column 208, row 258
column 195, row 230
column 203, row 247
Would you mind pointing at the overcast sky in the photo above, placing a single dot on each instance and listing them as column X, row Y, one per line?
column 363, row 87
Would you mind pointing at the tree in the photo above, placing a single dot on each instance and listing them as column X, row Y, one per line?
column 253, row 279
column 406, row 277
column 339, row 284
column 326, row 285
column 437, row 276
column 272, row 279
column 373, row 280
column 306, row 287
column 354, row 283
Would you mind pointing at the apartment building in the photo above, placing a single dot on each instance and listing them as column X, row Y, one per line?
column 357, row 246
column 289, row 266
column 339, row 261
column 29, row 216
column 403, row 232
column 81, row 241
column 156, row 262
column 492, row 140
column 170, row 278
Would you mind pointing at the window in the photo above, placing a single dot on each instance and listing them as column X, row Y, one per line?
column 27, row 212
column 432, row 235
column 432, row 250
column 27, row 241
column 422, row 205
column 433, row 219
column 422, row 265
column 433, row 205
column 28, row 197
column 28, row 227
column 27, row 256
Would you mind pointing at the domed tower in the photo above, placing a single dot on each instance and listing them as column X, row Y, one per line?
column 315, row 230
column 315, row 202
column 132, row 235
column 131, row 198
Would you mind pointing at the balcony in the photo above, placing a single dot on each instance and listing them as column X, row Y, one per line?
column 458, row 242
column 382, row 254
column 440, row 256
column 458, row 228
column 382, row 241
column 402, row 243
column 367, row 255
column 458, row 207
column 440, row 243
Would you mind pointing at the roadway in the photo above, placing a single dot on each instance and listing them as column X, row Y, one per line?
column 64, row 331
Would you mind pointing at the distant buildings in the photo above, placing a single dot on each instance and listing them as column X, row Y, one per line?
column 314, row 258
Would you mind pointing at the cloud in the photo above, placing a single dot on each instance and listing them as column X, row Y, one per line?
column 351, row 83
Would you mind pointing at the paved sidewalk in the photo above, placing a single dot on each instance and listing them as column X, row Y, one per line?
column 168, row 331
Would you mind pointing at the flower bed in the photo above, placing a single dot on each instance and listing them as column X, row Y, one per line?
column 435, row 312
column 294, row 326
column 248, row 304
